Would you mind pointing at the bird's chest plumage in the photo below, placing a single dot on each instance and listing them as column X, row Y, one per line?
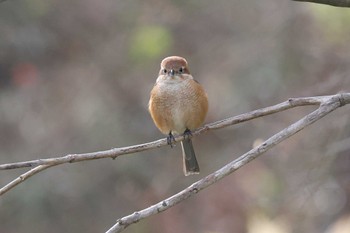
column 179, row 102
column 175, row 104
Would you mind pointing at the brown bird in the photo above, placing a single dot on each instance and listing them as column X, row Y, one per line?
column 178, row 104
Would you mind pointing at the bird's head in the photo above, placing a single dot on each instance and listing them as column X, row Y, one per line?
column 174, row 66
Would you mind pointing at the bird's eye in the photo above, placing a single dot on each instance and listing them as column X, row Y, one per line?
column 181, row 70
column 164, row 71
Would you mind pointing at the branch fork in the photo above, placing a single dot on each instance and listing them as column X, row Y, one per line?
column 326, row 104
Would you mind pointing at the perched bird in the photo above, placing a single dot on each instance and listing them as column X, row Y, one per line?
column 178, row 104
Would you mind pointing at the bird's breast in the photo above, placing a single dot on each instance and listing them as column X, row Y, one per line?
column 177, row 106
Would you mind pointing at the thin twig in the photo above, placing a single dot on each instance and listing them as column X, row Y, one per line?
column 327, row 106
column 23, row 177
column 338, row 3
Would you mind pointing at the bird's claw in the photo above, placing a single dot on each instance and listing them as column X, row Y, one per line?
column 170, row 139
column 187, row 133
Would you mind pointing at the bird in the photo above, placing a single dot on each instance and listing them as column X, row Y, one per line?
column 178, row 105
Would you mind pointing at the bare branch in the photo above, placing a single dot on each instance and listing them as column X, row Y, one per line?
column 328, row 105
column 338, row 3
column 42, row 164
column 23, row 177
column 113, row 153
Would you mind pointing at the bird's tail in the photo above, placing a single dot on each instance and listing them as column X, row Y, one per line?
column 190, row 163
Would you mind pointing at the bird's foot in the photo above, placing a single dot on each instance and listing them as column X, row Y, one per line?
column 170, row 139
column 187, row 133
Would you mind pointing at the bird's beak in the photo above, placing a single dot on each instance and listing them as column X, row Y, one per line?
column 172, row 72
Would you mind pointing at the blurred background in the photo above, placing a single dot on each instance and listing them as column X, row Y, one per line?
column 75, row 77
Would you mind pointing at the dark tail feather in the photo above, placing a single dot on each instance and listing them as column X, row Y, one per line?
column 189, row 158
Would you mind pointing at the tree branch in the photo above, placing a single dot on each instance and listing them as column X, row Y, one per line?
column 42, row 164
column 337, row 3
column 23, row 177
column 327, row 105
column 113, row 153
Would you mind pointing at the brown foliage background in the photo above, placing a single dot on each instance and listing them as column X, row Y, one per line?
column 75, row 77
